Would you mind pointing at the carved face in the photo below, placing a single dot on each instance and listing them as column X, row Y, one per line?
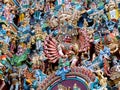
column 111, row 7
column 67, row 38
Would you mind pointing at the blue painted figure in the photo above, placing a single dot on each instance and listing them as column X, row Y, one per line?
column 24, row 32
column 2, row 31
column 40, row 76
column 99, row 60
column 37, row 15
column 25, row 86
column 24, row 29
column 62, row 73
column 7, row 39
column 105, row 53
column 95, row 85
column 110, row 25
column 63, row 69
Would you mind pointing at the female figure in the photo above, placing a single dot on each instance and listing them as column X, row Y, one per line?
column 7, row 11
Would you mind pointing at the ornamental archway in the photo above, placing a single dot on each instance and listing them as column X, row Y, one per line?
column 78, row 77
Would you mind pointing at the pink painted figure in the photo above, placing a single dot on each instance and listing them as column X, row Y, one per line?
column 48, row 6
column 7, row 12
column 59, row 2
column 68, row 4
column 93, row 5
column 12, row 46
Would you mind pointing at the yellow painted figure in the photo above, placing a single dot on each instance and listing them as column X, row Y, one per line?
column 21, row 17
column 113, row 12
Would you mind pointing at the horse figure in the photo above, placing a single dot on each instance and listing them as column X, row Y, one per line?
column 40, row 76
column 105, row 53
column 62, row 72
